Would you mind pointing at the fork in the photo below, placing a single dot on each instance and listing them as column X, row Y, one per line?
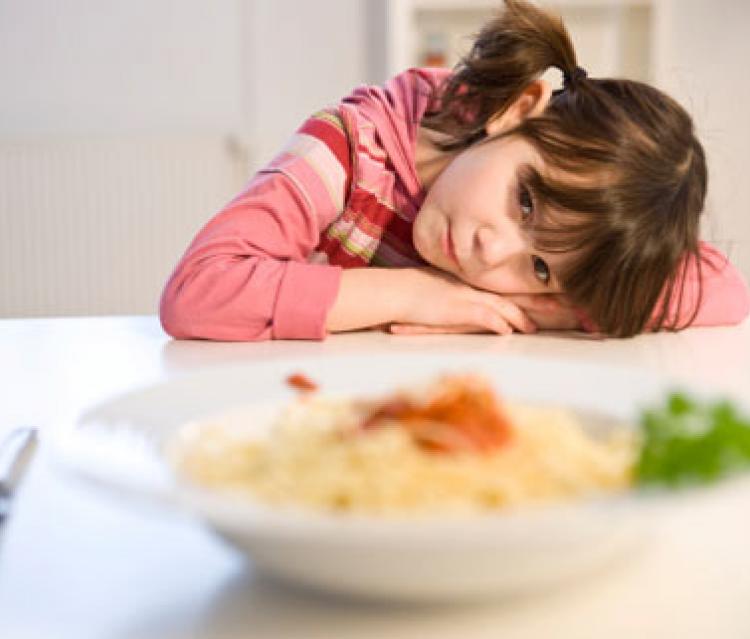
column 16, row 451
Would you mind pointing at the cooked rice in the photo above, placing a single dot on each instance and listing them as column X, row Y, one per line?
column 317, row 455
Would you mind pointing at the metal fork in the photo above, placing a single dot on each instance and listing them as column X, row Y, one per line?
column 16, row 452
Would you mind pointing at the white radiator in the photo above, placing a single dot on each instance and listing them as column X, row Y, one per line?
column 95, row 226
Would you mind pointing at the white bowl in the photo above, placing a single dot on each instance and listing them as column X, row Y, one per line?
column 120, row 444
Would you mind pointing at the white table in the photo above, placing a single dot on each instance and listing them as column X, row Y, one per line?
column 77, row 563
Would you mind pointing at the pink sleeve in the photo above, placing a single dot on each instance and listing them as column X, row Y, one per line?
column 246, row 276
column 725, row 299
column 724, row 294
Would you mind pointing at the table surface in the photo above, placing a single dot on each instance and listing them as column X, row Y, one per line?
column 77, row 562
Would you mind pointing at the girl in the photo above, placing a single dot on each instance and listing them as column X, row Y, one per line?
column 469, row 201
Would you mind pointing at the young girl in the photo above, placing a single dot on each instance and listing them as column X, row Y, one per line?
column 469, row 201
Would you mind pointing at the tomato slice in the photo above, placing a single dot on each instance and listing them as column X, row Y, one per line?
column 302, row 383
column 465, row 415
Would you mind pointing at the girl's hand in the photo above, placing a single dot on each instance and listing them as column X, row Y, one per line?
column 547, row 312
column 437, row 302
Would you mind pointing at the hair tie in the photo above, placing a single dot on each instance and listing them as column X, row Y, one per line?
column 570, row 79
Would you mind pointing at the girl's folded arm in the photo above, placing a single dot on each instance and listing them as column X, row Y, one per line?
column 724, row 294
column 246, row 277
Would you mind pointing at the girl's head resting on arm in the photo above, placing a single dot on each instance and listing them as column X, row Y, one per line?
column 595, row 190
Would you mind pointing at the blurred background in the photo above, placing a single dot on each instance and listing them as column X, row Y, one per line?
column 124, row 126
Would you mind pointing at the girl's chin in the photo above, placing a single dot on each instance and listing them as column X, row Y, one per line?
column 422, row 244
column 430, row 253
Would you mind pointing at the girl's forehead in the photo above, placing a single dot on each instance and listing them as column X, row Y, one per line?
column 510, row 154
column 515, row 151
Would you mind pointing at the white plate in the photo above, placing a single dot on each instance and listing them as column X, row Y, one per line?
column 119, row 444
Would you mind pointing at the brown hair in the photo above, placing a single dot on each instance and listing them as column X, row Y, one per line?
column 629, row 210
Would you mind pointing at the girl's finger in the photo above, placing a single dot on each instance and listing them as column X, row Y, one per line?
column 483, row 313
column 535, row 302
column 513, row 314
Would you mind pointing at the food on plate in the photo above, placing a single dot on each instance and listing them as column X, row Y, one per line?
column 301, row 383
column 452, row 445
column 459, row 415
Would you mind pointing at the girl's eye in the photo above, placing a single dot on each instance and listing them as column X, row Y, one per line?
column 526, row 203
column 541, row 270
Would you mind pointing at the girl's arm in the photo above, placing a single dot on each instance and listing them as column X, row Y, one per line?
column 244, row 278
column 725, row 298
column 246, row 275
column 724, row 294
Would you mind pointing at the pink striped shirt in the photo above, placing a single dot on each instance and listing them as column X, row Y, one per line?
column 343, row 193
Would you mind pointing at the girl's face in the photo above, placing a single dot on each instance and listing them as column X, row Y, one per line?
column 475, row 218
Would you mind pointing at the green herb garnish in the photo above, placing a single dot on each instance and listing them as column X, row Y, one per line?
column 689, row 442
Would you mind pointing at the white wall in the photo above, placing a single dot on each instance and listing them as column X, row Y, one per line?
column 299, row 57
column 87, row 66
column 114, row 120
column 254, row 67
column 704, row 64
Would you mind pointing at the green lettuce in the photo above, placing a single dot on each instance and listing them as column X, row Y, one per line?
column 690, row 442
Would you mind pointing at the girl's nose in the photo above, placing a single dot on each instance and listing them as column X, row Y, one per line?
column 494, row 246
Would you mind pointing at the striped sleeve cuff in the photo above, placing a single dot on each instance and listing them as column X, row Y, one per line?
column 305, row 296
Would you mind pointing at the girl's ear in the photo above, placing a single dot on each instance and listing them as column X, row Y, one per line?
column 531, row 102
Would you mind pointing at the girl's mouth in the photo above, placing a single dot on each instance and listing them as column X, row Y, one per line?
column 449, row 247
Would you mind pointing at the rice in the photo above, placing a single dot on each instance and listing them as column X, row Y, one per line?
column 318, row 455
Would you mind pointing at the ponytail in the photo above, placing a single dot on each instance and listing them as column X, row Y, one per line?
column 512, row 50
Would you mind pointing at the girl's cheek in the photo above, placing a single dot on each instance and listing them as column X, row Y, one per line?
column 421, row 237
column 504, row 280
